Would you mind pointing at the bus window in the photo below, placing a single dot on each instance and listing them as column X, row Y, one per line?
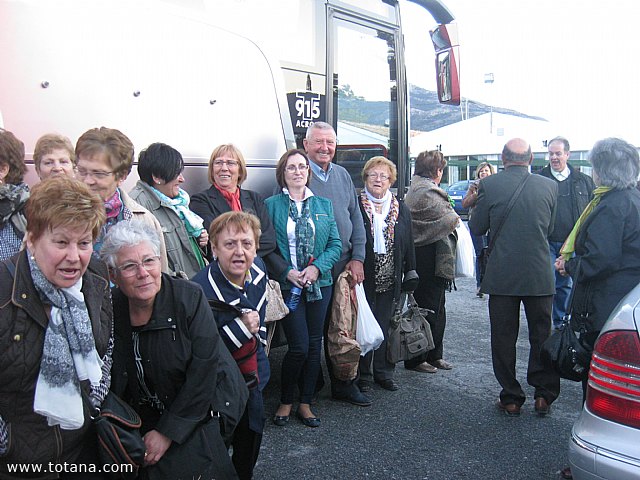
column 363, row 70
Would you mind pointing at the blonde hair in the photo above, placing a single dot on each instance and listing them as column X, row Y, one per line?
column 49, row 142
column 380, row 162
column 232, row 151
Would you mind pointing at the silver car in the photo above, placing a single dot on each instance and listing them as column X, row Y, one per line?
column 605, row 439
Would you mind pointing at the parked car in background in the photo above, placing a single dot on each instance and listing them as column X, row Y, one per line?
column 605, row 439
column 457, row 191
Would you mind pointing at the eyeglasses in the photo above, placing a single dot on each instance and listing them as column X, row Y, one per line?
column 228, row 163
column 296, row 168
column 376, row 176
column 98, row 175
column 130, row 269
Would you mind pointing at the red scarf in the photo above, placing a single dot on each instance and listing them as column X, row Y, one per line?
column 233, row 199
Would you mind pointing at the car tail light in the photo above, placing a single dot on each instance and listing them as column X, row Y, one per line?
column 614, row 378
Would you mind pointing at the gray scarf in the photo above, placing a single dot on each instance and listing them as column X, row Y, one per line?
column 68, row 356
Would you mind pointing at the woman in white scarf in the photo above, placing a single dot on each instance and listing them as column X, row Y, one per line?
column 57, row 313
column 389, row 256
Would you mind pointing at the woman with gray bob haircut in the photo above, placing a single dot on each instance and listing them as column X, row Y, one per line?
column 129, row 234
column 181, row 380
column 616, row 163
column 602, row 252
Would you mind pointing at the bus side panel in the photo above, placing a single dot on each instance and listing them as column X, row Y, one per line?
column 68, row 66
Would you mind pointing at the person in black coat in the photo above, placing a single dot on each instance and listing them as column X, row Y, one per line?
column 575, row 191
column 602, row 253
column 518, row 271
column 169, row 362
column 390, row 255
column 227, row 172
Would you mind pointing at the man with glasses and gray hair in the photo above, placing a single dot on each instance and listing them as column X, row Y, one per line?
column 575, row 191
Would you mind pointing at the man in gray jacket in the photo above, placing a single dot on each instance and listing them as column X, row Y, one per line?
column 518, row 271
column 334, row 182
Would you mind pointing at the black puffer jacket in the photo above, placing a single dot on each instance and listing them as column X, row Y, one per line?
column 185, row 364
column 23, row 323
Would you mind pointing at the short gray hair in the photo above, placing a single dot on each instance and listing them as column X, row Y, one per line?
column 318, row 126
column 127, row 233
column 616, row 163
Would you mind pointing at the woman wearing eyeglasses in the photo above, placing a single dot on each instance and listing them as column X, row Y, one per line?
column 389, row 257
column 309, row 242
column 169, row 363
column 103, row 162
column 227, row 172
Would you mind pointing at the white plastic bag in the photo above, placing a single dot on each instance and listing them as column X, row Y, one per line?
column 368, row 332
column 465, row 254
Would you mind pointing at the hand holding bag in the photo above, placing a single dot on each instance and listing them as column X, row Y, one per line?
column 563, row 351
column 409, row 332
column 117, row 427
column 368, row 332
column 276, row 308
column 465, row 254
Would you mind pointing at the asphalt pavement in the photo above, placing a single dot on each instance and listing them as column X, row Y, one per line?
column 437, row 426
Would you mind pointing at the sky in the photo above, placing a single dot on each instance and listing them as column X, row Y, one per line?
column 574, row 63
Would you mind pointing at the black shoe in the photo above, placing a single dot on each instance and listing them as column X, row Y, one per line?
column 364, row 386
column 388, row 384
column 354, row 398
column 312, row 422
column 280, row 420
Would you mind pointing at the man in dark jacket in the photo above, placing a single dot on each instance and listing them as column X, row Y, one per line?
column 575, row 191
column 518, row 271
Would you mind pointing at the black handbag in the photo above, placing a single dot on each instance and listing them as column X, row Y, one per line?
column 117, row 427
column 564, row 351
column 409, row 332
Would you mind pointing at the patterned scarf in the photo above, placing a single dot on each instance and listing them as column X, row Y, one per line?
column 569, row 246
column 12, row 199
column 116, row 212
column 305, row 242
column 68, row 356
column 192, row 222
column 233, row 199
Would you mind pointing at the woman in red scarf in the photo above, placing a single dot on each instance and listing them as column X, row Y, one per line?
column 227, row 172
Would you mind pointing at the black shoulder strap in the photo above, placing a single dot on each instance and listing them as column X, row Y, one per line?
column 512, row 202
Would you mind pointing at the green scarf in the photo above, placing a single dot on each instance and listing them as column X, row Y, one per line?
column 569, row 246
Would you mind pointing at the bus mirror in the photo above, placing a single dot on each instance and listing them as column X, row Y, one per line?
column 448, row 80
column 445, row 42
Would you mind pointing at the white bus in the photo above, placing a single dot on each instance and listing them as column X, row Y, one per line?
column 195, row 74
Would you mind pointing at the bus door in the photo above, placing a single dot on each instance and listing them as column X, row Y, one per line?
column 363, row 66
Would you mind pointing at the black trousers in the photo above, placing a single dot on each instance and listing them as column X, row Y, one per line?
column 504, row 313
column 430, row 294
column 246, row 448
column 374, row 365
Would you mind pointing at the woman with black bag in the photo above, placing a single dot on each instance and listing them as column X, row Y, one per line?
column 389, row 257
column 169, row 361
column 602, row 252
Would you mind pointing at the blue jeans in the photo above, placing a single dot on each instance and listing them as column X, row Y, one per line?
column 301, row 364
column 563, row 287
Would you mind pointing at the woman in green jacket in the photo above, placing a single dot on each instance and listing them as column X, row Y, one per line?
column 308, row 240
